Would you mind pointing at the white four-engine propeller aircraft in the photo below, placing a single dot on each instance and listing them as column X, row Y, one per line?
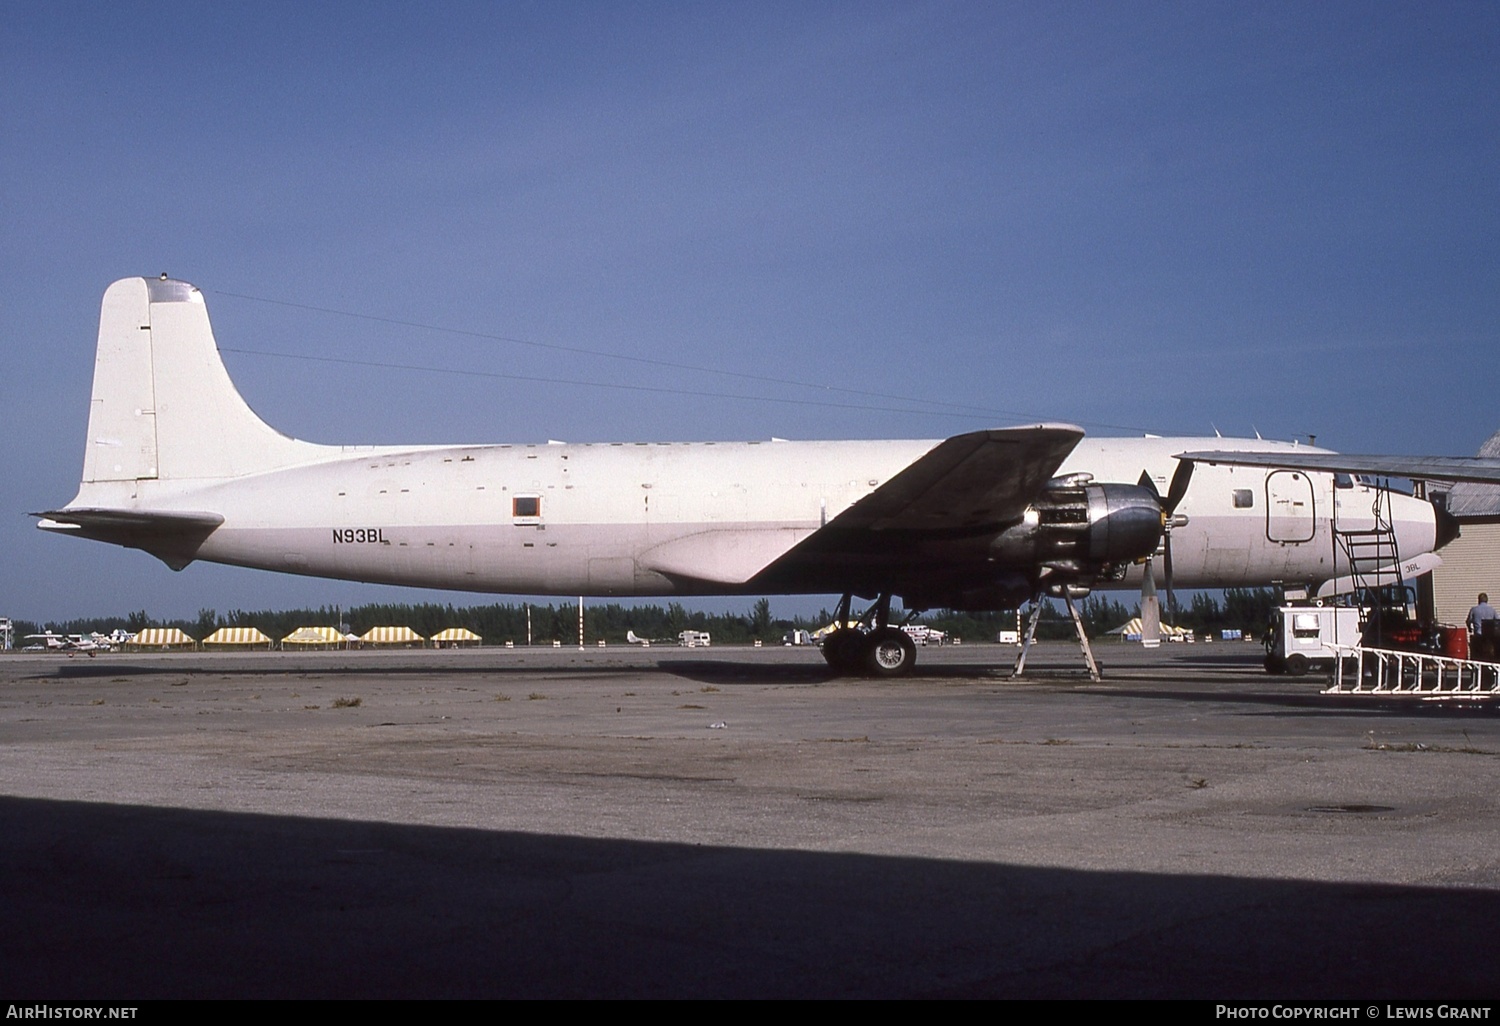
column 178, row 465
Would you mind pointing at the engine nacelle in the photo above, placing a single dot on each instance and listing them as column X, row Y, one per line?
column 1084, row 530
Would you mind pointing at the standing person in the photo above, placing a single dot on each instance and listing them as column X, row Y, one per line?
column 1483, row 614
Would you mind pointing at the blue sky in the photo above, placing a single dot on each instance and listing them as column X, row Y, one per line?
column 1137, row 217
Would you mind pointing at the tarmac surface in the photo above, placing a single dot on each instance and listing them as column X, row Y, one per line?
column 733, row 822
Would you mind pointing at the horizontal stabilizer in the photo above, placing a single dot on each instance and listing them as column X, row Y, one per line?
column 172, row 536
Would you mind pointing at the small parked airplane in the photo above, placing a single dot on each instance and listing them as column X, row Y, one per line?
column 52, row 642
column 178, row 465
column 48, row 641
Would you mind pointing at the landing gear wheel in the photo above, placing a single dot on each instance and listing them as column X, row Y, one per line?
column 842, row 650
column 890, row 653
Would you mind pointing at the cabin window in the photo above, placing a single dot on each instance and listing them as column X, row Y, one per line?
column 1244, row 498
column 526, row 506
column 1343, row 481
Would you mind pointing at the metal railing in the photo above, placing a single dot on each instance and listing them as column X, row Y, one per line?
column 1386, row 672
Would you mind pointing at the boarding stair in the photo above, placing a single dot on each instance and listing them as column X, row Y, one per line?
column 1374, row 561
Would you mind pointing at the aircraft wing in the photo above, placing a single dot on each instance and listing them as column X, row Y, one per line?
column 172, row 536
column 970, row 481
column 1426, row 468
column 959, row 493
column 968, row 484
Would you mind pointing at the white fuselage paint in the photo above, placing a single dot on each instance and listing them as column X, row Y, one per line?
column 672, row 518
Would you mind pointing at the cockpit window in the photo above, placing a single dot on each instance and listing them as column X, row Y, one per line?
column 1343, row 481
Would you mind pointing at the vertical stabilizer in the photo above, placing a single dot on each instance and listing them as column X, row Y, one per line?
column 163, row 405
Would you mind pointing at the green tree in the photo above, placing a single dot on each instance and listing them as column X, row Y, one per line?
column 760, row 619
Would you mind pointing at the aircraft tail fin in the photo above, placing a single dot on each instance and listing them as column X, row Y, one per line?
column 163, row 405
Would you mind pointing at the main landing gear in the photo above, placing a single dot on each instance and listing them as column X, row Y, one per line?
column 872, row 647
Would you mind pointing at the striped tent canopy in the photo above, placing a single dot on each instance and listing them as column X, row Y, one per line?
column 455, row 635
column 1131, row 630
column 313, row 636
column 161, row 637
column 391, row 636
column 237, row 636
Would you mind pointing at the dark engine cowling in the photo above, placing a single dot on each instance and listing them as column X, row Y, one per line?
column 1083, row 530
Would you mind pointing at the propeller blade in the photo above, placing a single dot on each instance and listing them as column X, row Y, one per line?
column 1179, row 486
column 1150, row 610
column 1148, row 484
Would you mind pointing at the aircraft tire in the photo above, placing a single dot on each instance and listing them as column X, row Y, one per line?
column 842, row 650
column 890, row 653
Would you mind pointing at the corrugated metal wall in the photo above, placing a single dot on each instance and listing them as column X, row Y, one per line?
column 1470, row 565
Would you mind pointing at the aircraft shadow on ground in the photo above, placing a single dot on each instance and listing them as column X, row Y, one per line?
column 114, row 901
column 714, row 671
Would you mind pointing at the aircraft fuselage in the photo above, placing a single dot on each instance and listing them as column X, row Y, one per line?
column 660, row 519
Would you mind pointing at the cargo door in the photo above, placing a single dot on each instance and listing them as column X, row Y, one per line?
column 1290, row 507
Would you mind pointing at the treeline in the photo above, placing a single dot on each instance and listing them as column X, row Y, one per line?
column 1242, row 609
column 496, row 623
column 1245, row 609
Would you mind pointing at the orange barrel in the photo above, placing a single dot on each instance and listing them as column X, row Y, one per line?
column 1455, row 641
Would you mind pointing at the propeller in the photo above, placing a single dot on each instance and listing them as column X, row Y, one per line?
column 1176, row 491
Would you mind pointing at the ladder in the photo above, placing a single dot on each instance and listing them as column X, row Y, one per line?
column 1386, row 673
column 1368, row 552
